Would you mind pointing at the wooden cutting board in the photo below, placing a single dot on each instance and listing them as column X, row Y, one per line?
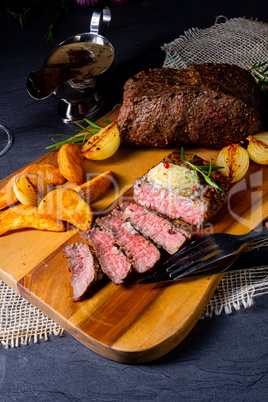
column 127, row 323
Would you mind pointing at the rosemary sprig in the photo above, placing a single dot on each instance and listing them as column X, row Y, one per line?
column 205, row 171
column 81, row 136
column 62, row 9
column 260, row 72
column 26, row 11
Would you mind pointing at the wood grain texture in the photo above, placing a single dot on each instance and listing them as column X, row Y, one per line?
column 126, row 323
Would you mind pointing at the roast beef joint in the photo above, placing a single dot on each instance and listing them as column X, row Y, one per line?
column 208, row 105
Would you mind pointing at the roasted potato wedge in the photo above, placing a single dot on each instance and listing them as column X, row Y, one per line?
column 70, row 161
column 67, row 205
column 7, row 195
column 94, row 189
column 48, row 171
column 22, row 216
column 103, row 144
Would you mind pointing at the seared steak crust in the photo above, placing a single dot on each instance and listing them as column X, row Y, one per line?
column 84, row 266
column 113, row 261
column 194, row 206
column 207, row 193
column 141, row 252
column 153, row 226
column 209, row 105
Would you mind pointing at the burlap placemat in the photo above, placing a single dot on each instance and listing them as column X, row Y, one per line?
column 233, row 41
column 21, row 322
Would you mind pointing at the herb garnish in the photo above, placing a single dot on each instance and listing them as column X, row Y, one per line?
column 26, row 11
column 82, row 136
column 260, row 72
column 205, row 170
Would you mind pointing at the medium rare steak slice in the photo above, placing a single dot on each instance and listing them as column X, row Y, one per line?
column 113, row 261
column 153, row 226
column 209, row 105
column 84, row 266
column 171, row 188
column 142, row 253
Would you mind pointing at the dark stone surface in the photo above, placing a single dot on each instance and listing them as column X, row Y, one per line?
column 223, row 358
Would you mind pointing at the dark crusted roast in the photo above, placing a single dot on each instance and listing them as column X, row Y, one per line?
column 194, row 205
column 209, row 105
column 84, row 266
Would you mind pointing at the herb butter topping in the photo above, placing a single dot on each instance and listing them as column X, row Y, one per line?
column 174, row 177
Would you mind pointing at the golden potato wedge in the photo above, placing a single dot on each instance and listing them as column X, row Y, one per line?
column 48, row 171
column 94, row 189
column 67, row 205
column 103, row 144
column 70, row 161
column 22, row 216
column 7, row 195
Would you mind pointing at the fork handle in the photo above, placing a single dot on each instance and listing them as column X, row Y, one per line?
column 257, row 234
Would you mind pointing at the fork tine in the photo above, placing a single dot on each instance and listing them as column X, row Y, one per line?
column 198, row 252
column 206, row 241
column 207, row 264
column 180, row 266
column 221, row 266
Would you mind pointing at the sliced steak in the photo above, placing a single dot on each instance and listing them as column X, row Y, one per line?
column 177, row 194
column 142, row 252
column 112, row 260
column 153, row 226
column 209, row 105
column 84, row 266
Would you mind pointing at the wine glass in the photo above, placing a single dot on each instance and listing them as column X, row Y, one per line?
column 6, row 140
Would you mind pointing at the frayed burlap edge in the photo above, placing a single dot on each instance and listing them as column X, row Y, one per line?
column 235, row 41
column 237, row 291
column 21, row 322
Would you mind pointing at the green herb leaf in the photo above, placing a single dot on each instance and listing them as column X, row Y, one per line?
column 26, row 11
column 82, row 136
column 205, row 171
column 260, row 72
column 90, row 123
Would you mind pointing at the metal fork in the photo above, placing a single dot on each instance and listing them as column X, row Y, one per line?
column 211, row 251
column 212, row 254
